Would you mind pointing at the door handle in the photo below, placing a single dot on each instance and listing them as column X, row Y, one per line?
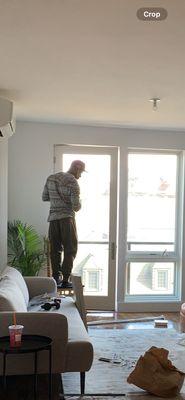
column 112, row 251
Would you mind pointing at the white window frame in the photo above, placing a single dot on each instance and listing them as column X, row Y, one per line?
column 157, row 256
column 156, row 276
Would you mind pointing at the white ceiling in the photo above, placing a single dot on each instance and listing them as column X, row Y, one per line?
column 93, row 62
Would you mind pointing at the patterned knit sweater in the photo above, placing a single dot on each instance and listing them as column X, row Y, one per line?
column 63, row 192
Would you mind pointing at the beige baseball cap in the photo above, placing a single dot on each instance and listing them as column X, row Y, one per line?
column 79, row 164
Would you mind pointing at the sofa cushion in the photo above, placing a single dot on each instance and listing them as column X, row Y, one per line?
column 16, row 276
column 11, row 296
column 79, row 354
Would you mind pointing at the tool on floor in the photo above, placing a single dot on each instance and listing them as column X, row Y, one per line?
column 109, row 360
column 124, row 321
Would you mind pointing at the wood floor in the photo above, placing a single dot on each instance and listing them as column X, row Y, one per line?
column 173, row 320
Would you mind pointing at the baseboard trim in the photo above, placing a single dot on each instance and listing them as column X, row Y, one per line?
column 93, row 394
column 149, row 307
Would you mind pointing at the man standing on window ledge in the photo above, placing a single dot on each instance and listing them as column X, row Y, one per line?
column 63, row 192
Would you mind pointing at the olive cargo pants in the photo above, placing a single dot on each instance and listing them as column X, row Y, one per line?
column 63, row 238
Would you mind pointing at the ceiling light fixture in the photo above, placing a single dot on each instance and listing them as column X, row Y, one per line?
column 155, row 102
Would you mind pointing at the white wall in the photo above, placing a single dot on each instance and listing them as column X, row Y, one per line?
column 31, row 159
column 3, row 201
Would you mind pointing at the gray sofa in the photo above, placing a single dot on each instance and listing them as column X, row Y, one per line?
column 72, row 350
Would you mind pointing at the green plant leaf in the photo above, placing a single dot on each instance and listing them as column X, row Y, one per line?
column 25, row 248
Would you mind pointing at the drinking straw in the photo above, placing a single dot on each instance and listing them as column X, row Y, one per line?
column 14, row 319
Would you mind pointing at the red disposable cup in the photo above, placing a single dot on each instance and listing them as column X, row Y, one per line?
column 15, row 332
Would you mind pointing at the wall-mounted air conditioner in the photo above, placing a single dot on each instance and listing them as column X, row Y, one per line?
column 7, row 122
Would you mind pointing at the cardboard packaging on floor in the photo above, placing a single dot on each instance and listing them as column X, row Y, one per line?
column 159, row 323
column 156, row 374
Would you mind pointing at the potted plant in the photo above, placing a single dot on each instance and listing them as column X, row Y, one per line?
column 25, row 248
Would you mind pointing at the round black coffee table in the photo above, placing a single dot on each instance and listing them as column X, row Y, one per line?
column 29, row 344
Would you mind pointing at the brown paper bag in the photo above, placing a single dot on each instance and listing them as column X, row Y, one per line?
column 156, row 374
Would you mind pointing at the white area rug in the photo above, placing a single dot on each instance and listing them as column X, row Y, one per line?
column 126, row 345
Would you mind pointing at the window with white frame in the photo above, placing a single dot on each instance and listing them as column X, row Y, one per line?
column 152, row 237
column 161, row 279
column 92, row 280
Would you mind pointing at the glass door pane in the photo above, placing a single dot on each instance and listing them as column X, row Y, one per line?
column 93, row 260
column 150, row 278
column 93, row 221
column 93, row 218
column 152, row 182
